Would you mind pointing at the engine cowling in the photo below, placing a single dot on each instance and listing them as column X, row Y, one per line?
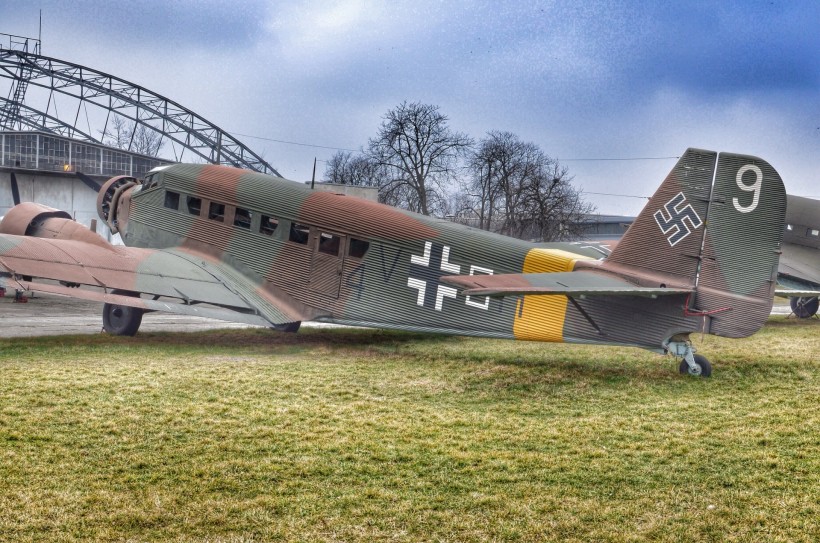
column 22, row 219
column 110, row 199
column 38, row 220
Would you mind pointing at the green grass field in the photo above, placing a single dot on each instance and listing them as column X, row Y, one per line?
column 359, row 435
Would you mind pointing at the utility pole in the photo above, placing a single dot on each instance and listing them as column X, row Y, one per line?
column 313, row 179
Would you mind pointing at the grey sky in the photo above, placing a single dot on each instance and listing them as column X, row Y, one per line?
column 580, row 79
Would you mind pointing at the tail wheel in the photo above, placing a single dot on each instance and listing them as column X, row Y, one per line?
column 703, row 367
column 804, row 307
column 121, row 320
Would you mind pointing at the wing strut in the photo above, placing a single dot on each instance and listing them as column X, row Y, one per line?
column 583, row 312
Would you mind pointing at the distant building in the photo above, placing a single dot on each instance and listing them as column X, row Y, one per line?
column 591, row 227
column 596, row 226
column 34, row 150
column 63, row 173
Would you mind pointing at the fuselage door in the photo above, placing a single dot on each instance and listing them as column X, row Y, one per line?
column 327, row 262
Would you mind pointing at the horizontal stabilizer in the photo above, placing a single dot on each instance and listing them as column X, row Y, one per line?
column 790, row 286
column 576, row 283
column 792, row 293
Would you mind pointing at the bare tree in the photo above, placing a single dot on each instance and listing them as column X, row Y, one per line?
column 146, row 141
column 134, row 137
column 501, row 169
column 117, row 134
column 516, row 189
column 552, row 208
column 419, row 154
column 345, row 168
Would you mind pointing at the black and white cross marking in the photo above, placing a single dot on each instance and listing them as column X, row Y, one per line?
column 426, row 272
column 674, row 221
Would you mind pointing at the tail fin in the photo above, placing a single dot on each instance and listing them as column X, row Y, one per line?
column 715, row 224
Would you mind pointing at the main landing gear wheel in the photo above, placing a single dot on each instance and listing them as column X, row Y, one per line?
column 702, row 367
column 804, row 307
column 121, row 320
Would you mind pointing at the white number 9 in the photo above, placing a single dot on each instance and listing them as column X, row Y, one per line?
column 754, row 187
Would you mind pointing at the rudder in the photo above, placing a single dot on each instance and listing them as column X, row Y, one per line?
column 741, row 248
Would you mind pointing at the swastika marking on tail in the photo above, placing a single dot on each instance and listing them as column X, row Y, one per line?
column 679, row 221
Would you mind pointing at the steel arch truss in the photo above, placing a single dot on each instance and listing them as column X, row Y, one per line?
column 88, row 89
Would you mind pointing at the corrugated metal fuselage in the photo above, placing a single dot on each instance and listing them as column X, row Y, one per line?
column 362, row 263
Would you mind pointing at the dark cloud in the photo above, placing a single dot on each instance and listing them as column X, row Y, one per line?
column 725, row 48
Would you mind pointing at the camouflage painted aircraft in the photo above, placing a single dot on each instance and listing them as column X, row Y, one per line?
column 799, row 273
column 230, row 244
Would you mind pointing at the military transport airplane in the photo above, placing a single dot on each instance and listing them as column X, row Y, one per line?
column 226, row 243
column 799, row 273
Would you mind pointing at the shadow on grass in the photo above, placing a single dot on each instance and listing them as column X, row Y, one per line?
column 235, row 338
column 535, row 362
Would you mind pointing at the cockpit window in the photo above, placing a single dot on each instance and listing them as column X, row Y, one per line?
column 216, row 212
column 242, row 218
column 149, row 182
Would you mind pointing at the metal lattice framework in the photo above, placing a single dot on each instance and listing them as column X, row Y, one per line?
column 87, row 93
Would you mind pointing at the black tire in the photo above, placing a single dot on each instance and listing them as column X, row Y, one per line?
column 121, row 320
column 804, row 308
column 700, row 361
column 290, row 327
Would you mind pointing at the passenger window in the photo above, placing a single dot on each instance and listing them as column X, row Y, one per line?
column 194, row 205
column 329, row 244
column 171, row 200
column 268, row 225
column 216, row 212
column 299, row 233
column 357, row 248
column 242, row 218
column 813, row 233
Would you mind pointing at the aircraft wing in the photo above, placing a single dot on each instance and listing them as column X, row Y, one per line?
column 174, row 281
column 576, row 283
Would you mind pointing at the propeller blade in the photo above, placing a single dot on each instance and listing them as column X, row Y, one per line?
column 15, row 190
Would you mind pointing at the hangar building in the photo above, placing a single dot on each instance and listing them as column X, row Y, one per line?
column 66, row 128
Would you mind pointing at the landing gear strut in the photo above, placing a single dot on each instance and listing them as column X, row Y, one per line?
column 691, row 363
